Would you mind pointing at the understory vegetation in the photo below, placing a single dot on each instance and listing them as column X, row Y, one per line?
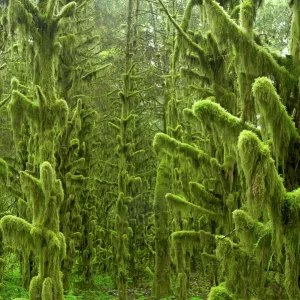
column 149, row 149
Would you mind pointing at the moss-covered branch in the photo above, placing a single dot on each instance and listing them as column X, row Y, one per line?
column 252, row 233
column 275, row 117
column 183, row 205
column 165, row 144
column 17, row 233
column 203, row 196
column 238, row 266
column 181, row 31
column 224, row 125
column 252, row 57
column 265, row 190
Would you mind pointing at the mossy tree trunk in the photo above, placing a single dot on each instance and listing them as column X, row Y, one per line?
column 161, row 282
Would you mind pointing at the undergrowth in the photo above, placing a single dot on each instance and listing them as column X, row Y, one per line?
column 103, row 286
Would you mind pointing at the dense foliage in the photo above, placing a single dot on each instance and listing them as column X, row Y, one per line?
column 149, row 149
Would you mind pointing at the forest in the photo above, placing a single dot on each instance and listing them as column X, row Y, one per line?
column 149, row 149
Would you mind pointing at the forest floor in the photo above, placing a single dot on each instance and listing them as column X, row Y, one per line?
column 103, row 289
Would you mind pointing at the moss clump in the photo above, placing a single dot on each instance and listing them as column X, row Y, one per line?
column 220, row 292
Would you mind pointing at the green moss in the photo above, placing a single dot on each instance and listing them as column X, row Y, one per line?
column 219, row 292
column 238, row 267
column 248, row 14
column 32, row 188
column 182, row 282
column 295, row 32
column 62, row 110
column 3, row 171
column 187, row 238
column 184, row 27
column 21, row 109
column 195, row 47
column 292, row 239
column 275, row 117
column 203, row 196
column 161, row 282
column 13, row 228
column 252, row 58
column 35, row 288
column 223, row 127
column 264, row 186
column 183, row 244
column 66, row 11
column 254, row 235
column 179, row 203
column 292, row 204
column 47, row 118
column 47, row 293
column 165, row 144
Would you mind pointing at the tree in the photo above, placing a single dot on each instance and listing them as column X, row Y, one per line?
column 235, row 176
column 84, row 191
column 47, row 116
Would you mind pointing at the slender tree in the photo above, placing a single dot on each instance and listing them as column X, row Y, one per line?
column 47, row 117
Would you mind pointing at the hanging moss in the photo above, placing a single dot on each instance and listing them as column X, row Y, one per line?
column 47, row 289
column 248, row 14
column 41, row 237
column 13, row 228
column 275, row 117
column 187, row 238
column 292, row 238
column 195, row 47
column 164, row 143
column 252, row 57
column 21, row 109
column 295, row 32
column 238, row 266
column 225, row 127
column 184, row 27
column 66, row 11
column 183, row 243
column 179, row 203
column 203, row 196
column 254, row 235
column 3, row 171
column 264, row 186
